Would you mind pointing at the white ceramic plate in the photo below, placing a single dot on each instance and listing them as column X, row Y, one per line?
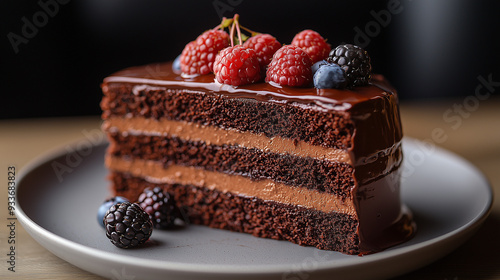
column 58, row 196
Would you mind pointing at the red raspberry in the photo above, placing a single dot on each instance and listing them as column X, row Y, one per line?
column 237, row 66
column 291, row 66
column 265, row 46
column 198, row 56
column 314, row 45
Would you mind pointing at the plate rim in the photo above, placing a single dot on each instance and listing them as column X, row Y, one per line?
column 33, row 228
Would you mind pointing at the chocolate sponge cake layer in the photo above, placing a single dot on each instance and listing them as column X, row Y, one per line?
column 223, row 210
column 322, row 175
column 243, row 114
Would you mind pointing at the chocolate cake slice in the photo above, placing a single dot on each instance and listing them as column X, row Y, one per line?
column 317, row 167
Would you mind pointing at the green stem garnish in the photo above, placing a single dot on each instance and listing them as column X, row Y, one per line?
column 233, row 24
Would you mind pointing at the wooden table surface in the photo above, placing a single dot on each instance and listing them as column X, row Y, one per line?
column 471, row 130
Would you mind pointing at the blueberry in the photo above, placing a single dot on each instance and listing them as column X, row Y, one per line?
column 176, row 65
column 317, row 65
column 330, row 75
column 106, row 205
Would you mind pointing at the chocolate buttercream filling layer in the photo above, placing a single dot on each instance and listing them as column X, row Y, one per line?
column 266, row 189
column 205, row 138
column 218, row 136
column 304, row 172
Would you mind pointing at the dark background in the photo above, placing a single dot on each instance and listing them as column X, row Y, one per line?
column 428, row 49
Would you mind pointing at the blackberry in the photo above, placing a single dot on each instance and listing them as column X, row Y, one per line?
column 127, row 225
column 160, row 206
column 105, row 206
column 355, row 62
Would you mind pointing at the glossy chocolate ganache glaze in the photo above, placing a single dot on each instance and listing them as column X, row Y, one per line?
column 374, row 148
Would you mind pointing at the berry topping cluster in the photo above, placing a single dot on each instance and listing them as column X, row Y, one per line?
column 131, row 224
column 237, row 59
